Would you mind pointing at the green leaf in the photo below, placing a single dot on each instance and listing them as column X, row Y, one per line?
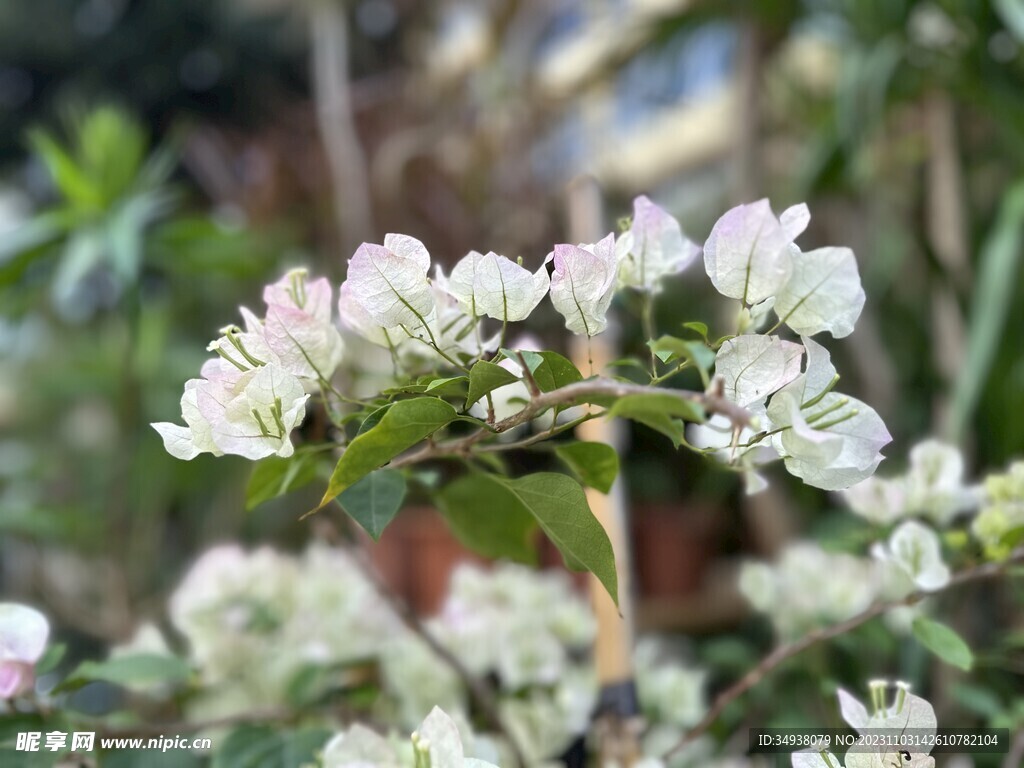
column 560, row 507
column 659, row 412
column 452, row 386
column 943, row 642
column 993, row 298
column 699, row 328
column 486, row 377
column 595, row 464
column 403, row 425
column 373, row 419
column 257, row 746
column 533, row 359
column 274, row 476
column 53, row 656
column 135, row 671
column 486, row 517
column 669, row 348
column 374, row 501
column 555, row 372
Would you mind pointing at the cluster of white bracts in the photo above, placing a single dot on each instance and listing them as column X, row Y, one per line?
column 253, row 394
column 829, row 440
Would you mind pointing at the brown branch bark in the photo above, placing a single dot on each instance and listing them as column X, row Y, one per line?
column 788, row 650
column 713, row 401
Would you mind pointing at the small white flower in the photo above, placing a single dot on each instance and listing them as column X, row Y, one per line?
column 248, row 413
column 906, row 712
column 823, row 292
column 23, row 635
column 299, row 329
column 390, row 281
column 494, row 286
column 357, row 319
column 935, row 482
column 748, row 254
column 754, row 367
column 829, row 440
column 583, row 283
column 652, row 248
column 914, row 549
column 878, row 500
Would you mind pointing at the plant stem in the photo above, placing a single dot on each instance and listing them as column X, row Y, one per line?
column 647, row 322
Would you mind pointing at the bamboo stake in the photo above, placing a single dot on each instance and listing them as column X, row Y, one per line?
column 617, row 716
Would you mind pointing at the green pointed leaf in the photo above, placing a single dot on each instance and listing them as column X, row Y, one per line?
column 486, row 377
column 134, row 671
column 943, row 642
column 699, row 328
column 658, row 411
column 405, row 423
column 669, row 348
column 595, row 464
column 555, row 372
column 533, row 359
column 452, row 386
column 374, row 501
column 274, row 476
column 373, row 419
column 560, row 507
column 486, row 517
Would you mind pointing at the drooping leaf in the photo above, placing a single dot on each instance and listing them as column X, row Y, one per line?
column 595, row 464
column 274, row 476
column 943, row 642
column 659, row 411
column 403, row 425
column 486, row 377
column 374, row 501
column 560, row 507
column 486, row 517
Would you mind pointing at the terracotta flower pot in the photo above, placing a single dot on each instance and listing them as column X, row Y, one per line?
column 672, row 547
column 416, row 556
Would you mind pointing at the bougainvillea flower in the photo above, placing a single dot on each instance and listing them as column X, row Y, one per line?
column 583, row 283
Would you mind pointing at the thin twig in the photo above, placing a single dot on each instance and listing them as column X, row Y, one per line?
column 531, row 383
column 479, row 692
column 713, row 401
column 788, row 650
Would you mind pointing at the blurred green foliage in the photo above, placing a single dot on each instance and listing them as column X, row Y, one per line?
column 107, row 294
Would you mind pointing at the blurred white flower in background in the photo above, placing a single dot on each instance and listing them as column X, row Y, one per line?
column 23, row 635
